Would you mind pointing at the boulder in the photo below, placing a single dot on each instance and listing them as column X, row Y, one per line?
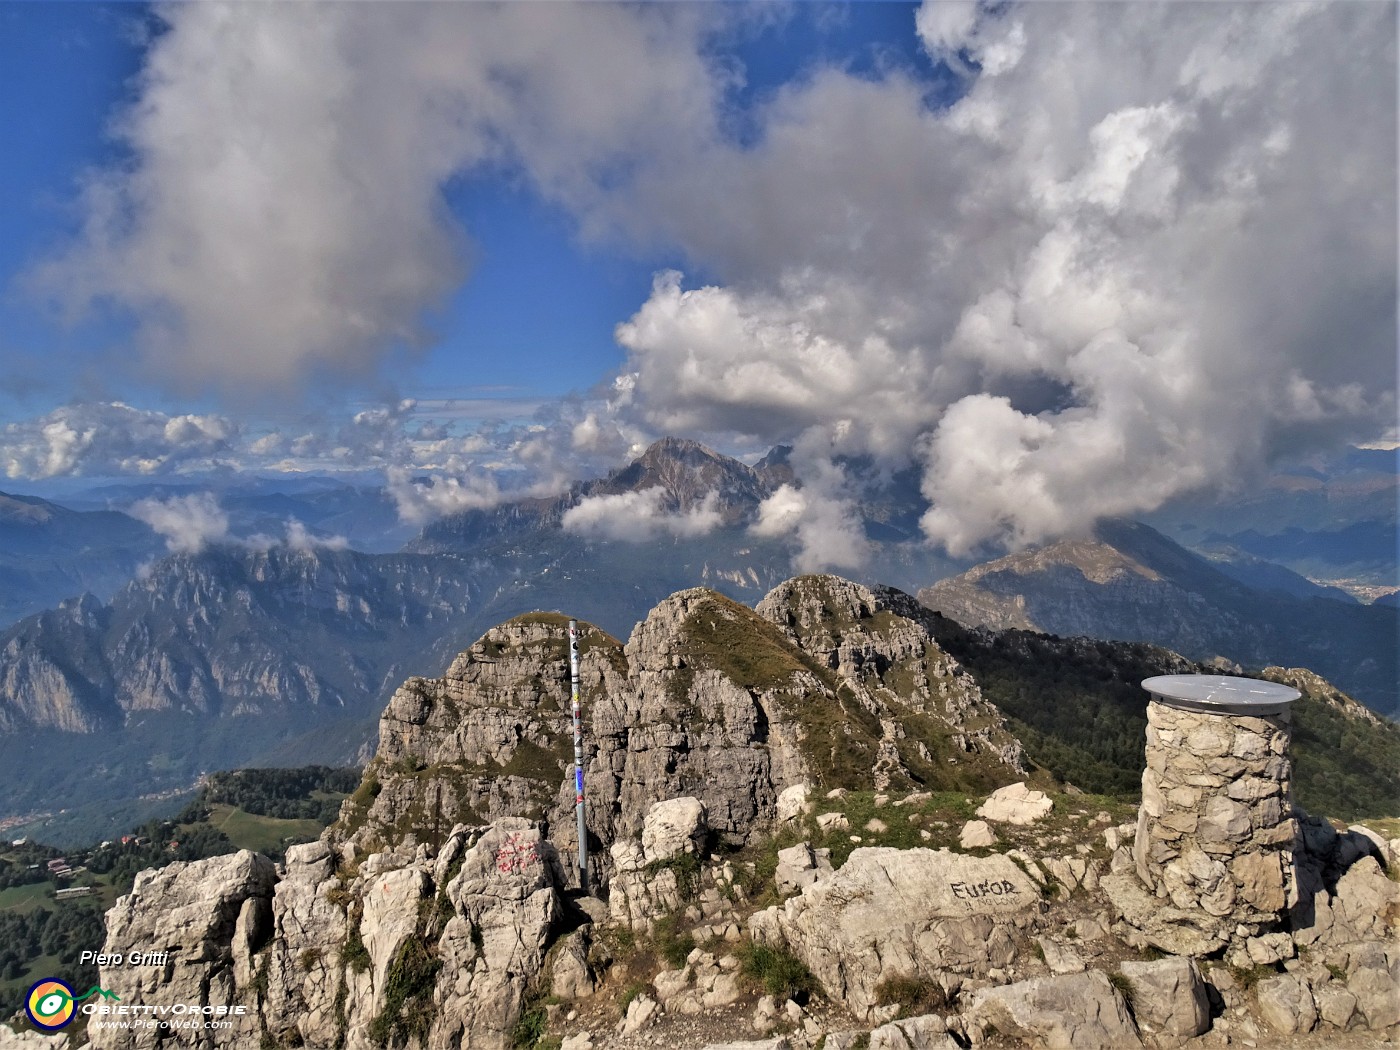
column 799, row 866
column 792, row 801
column 1076, row 1012
column 673, row 827
column 641, row 1011
column 1286, row 1004
column 976, row 834
column 570, row 975
column 505, row 903
column 928, row 1032
column 1169, row 997
column 889, row 912
column 1335, row 1004
column 1015, row 804
column 1377, row 991
column 1060, row 958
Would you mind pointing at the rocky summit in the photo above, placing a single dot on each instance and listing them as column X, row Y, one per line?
column 780, row 808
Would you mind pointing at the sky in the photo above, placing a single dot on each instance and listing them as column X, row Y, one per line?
column 1064, row 260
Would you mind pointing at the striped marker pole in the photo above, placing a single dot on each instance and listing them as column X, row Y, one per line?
column 578, row 757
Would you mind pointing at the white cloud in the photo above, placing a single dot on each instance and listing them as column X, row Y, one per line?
column 98, row 438
column 283, row 219
column 1141, row 253
column 299, row 538
column 780, row 513
column 188, row 523
column 423, row 498
column 636, row 517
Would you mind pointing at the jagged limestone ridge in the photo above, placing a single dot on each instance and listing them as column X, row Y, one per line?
column 827, row 682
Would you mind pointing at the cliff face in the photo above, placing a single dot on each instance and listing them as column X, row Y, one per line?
column 827, row 682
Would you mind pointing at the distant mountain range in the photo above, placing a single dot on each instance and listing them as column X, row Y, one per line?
column 236, row 657
column 1131, row 583
column 49, row 552
column 1333, row 520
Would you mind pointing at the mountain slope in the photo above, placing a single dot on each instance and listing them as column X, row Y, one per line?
column 48, row 553
column 1130, row 583
column 217, row 660
column 1078, row 706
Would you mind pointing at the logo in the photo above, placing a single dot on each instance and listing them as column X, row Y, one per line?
column 51, row 1003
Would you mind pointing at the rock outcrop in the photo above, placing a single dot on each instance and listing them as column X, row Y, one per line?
column 828, row 684
column 894, row 913
column 440, row 950
column 212, row 917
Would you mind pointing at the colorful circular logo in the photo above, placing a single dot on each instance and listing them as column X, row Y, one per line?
column 50, row 1004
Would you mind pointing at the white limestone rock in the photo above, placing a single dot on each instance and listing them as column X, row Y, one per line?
column 799, row 866
column 793, row 802
column 926, row 1032
column 211, row 916
column 1060, row 958
column 1077, row 1012
column 1286, row 1004
column 976, row 834
column 672, row 827
column 1169, row 998
column 889, row 912
column 1015, row 804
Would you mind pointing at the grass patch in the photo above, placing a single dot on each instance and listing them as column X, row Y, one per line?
column 258, row 833
column 1248, row 976
column 528, row 1033
column 777, row 971
column 354, row 954
column 408, row 994
column 913, row 995
column 26, row 898
column 673, row 946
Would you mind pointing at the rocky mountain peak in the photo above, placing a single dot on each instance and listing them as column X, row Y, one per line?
column 688, row 473
column 707, row 698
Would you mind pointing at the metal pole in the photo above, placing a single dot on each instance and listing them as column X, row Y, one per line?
column 578, row 758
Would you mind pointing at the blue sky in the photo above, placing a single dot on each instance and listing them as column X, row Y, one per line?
column 1063, row 259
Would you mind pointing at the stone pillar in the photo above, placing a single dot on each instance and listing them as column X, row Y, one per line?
column 1216, row 830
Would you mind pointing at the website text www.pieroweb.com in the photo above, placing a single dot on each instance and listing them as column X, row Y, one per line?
column 52, row 1005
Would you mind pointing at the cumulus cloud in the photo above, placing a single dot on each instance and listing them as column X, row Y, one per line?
column 1136, row 252
column 113, row 438
column 423, row 498
column 1138, row 255
column 780, row 513
column 640, row 516
column 188, row 523
column 300, row 538
column 283, row 217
